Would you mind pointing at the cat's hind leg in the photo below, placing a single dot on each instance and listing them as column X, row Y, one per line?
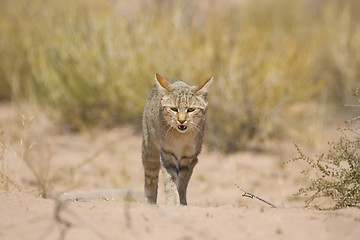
column 151, row 164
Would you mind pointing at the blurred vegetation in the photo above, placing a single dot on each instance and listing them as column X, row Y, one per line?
column 277, row 64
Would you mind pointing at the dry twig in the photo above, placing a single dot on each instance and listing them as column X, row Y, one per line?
column 250, row 195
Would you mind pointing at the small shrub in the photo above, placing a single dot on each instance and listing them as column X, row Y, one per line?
column 335, row 175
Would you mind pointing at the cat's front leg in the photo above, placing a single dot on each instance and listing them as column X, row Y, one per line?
column 170, row 172
column 186, row 167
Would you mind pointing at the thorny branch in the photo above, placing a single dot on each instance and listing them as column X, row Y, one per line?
column 64, row 224
column 250, row 195
column 60, row 207
column 176, row 219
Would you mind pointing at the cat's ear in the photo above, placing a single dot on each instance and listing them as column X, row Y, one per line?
column 163, row 83
column 203, row 88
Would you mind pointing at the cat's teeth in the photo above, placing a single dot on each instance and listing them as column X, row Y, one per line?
column 182, row 127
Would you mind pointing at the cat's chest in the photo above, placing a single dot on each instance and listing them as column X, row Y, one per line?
column 181, row 145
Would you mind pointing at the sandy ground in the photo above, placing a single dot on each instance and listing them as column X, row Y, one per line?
column 94, row 183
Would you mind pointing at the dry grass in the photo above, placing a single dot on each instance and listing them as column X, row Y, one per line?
column 7, row 179
column 277, row 64
column 13, row 154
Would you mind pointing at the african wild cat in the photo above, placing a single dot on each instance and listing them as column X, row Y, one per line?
column 173, row 130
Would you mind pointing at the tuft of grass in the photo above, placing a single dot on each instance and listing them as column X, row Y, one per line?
column 38, row 163
column 22, row 152
column 92, row 62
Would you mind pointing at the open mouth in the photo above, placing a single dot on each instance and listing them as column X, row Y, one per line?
column 182, row 127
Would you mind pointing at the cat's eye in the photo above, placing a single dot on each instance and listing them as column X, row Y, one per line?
column 190, row 109
column 174, row 109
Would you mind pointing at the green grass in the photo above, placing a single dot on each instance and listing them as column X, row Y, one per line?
column 277, row 64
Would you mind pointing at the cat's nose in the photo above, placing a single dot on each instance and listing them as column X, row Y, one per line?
column 181, row 121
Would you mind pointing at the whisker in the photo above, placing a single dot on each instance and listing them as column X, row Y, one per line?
column 167, row 131
column 196, row 127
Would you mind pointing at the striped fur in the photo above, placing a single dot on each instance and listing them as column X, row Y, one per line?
column 173, row 130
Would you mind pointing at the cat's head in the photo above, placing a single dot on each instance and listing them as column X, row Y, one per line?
column 183, row 106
